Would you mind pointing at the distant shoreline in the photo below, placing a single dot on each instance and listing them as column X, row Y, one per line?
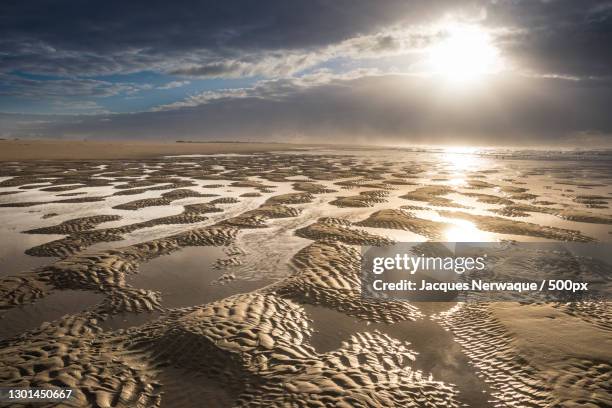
column 219, row 141
column 27, row 150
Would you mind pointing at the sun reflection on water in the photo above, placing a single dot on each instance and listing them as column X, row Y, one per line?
column 460, row 158
column 457, row 182
column 465, row 231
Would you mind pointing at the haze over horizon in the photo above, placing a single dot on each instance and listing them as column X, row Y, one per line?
column 473, row 72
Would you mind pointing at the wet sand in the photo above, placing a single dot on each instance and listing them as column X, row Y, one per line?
column 22, row 150
column 166, row 281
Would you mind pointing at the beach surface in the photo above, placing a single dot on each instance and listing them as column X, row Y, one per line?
column 171, row 274
column 19, row 150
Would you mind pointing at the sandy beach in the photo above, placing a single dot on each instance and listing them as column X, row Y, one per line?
column 51, row 149
column 139, row 279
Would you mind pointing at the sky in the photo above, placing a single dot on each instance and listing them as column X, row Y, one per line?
column 500, row 72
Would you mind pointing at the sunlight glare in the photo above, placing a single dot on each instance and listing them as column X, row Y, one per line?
column 464, row 55
column 460, row 158
column 465, row 231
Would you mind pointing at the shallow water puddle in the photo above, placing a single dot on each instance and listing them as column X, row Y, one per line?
column 182, row 388
column 12, row 256
column 187, row 277
column 52, row 307
column 438, row 353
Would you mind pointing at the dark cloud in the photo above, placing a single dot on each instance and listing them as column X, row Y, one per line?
column 218, row 37
column 13, row 85
column 208, row 38
column 242, row 24
column 71, row 36
column 562, row 37
column 368, row 108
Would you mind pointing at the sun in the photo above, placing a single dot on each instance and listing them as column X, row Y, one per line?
column 466, row 53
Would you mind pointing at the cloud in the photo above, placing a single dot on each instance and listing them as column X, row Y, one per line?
column 79, row 107
column 63, row 37
column 391, row 41
column 368, row 108
column 23, row 87
column 241, row 38
column 174, row 84
column 561, row 37
column 270, row 64
column 270, row 89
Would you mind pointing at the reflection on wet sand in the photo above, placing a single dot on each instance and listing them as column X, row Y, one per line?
column 52, row 307
column 189, row 278
column 438, row 354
